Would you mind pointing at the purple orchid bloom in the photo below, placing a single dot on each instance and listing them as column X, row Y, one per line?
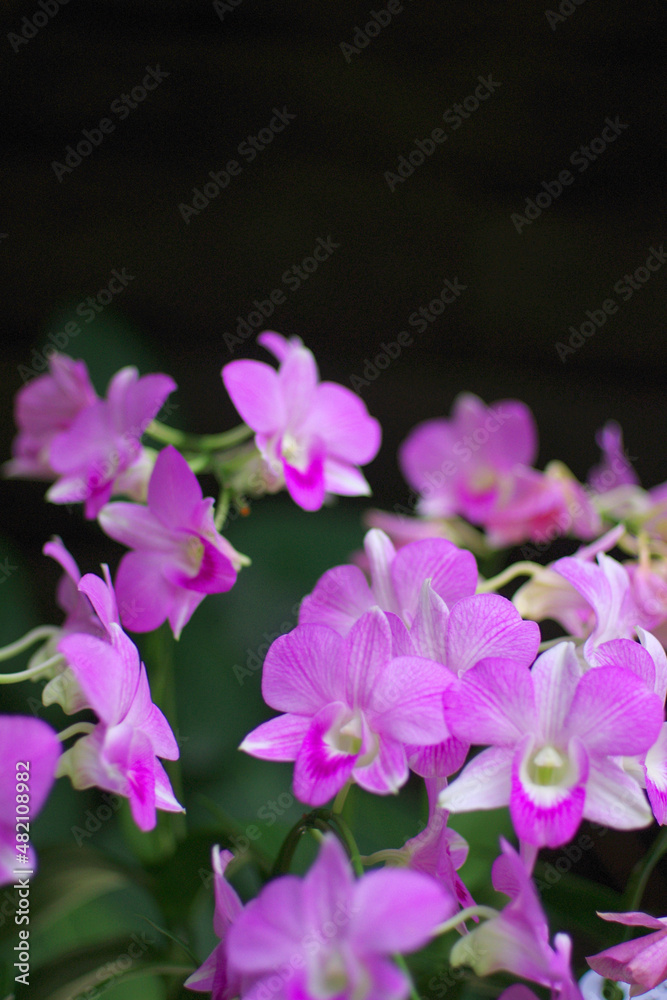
column 214, row 975
column 642, row 962
column 312, row 435
column 351, row 708
column 102, row 443
column 427, row 591
column 120, row 754
column 466, row 465
column 517, row 939
column 554, row 735
column 29, row 752
column 178, row 556
column 327, row 935
column 45, row 408
column 478, row 464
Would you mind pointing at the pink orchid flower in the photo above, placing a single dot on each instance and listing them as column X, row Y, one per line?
column 120, row 754
column 179, row 556
column 327, row 935
column 517, row 939
column 427, row 591
column 641, row 962
column 351, row 708
column 45, row 408
column 102, row 443
column 478, row 464
column 554, row 735
column 29, row 752
column 312, row 435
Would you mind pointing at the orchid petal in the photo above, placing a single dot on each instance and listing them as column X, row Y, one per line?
column 613, row 712
column 256, row 393
column 277, row 739
column 485, row 625
column 302, row 670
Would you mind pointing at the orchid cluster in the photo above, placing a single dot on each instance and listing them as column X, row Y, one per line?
column 406, row 664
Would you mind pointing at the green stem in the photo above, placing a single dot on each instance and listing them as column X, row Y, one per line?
column 31, row 672
column 14, row 648
column 319, row 819
column 339, row 801
column 199, row 442
column 548, row 643
column 462, row 915
column 642, row 872
column 75, row 729
column 390, row 856
column 221, row 508
column 402, row 964
column 516, row 569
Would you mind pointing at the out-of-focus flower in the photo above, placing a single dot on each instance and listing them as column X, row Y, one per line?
column 179, row 557
column 468, row 462
column 615, row 468
column 102, row 442
column 351, row 708
column 214, row 975
column 329, row 936
column 45, row 408
column 478, row 464
column 642, row 962
column 29, row 752
column 312, row 435
column 554, row 737
column 120, row 754
column 517, row 939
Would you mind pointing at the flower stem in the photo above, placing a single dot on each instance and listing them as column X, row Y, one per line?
column 642, row 872
column 75, row 729
column 14, row 648
column 339, row 801
column 31, row 672
column 516, row 569
column 402, row 964
column 462, row 915
column 319, row 819
column 199, row 442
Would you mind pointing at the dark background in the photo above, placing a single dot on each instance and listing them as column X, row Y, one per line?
column 324, row 176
